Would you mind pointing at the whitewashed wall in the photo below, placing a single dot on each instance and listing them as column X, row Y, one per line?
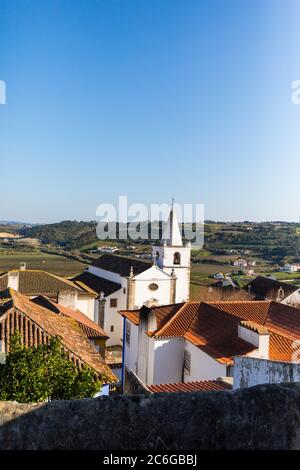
column 131, row 350
column 113, row 318
column 292, row 299
column 86, row 306
column 145, row 279
column 203, row 367
column 144, row 294
column 260, row 341
column 182, row 271
column 168, row 360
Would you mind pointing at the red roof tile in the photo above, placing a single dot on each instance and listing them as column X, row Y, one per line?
column 162, row 313
column 43, row 321
column 90, row 328
column 213, row 326
column 36, row 282
column 204, row 386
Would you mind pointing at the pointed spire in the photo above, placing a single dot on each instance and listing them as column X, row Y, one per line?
column 171, row 233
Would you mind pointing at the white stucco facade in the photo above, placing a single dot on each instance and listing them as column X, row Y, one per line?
column 176, row 259
column 113, row 322
column 168, row 360
column 293, row 299
column 86, row 305
column 152, row 285
column 260, row 341
column 161, row 360
column 131, row 348
column 203, row 366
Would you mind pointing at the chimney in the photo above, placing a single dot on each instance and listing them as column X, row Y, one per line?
column 280, row 294
column 147, row 323
column 257, row 335
column 13, row 280
column 22, row 266
column 173, row 287
column 101, row 310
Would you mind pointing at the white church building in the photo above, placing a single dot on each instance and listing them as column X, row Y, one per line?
column 128, row 284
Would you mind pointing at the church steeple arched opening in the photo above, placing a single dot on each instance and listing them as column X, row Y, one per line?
column 176, row 258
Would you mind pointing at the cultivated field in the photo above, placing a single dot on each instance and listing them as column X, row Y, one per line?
column 200, row 272
column 54, row 264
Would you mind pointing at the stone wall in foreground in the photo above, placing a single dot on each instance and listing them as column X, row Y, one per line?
column 262, row 417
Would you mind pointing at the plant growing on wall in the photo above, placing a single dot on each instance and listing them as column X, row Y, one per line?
column 43, row 373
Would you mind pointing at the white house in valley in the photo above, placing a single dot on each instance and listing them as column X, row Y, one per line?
column 124, row 283
column 198, row 341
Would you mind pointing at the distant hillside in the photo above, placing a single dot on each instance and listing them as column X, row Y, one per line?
column 14, row 223
column 272, row 241
column 68, row 233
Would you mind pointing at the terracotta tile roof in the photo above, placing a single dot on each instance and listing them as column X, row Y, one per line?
column 179, row 321
column 132, row 315
column 213, row 327
column 162, row 313
column 216, row 333
column 36, row 282
column 120, row 264
column 95, row 283
column 284, row 320
column 267, row 288
column 282, row 348
column 275, row 316
column 90, row 328
column 204, row 386
column 255, row 311
column 37, row 324
column 250, row 325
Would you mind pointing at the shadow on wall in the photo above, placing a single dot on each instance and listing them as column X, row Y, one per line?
column 203, row 420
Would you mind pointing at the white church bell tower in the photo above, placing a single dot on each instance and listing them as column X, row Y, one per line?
column 173, row 257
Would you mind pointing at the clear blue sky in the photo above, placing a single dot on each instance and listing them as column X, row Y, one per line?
column 149, row 98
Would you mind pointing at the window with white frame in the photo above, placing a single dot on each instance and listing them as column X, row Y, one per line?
column 187, row 362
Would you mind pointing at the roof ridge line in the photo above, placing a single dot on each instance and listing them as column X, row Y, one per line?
column 174, row 317
column 126, row 257
column 238, row 302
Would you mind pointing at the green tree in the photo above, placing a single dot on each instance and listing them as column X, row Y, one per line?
column 44, row 372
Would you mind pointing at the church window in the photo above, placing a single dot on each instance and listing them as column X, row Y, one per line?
column 176, row 258
column 153, row 286
column 111, row 328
